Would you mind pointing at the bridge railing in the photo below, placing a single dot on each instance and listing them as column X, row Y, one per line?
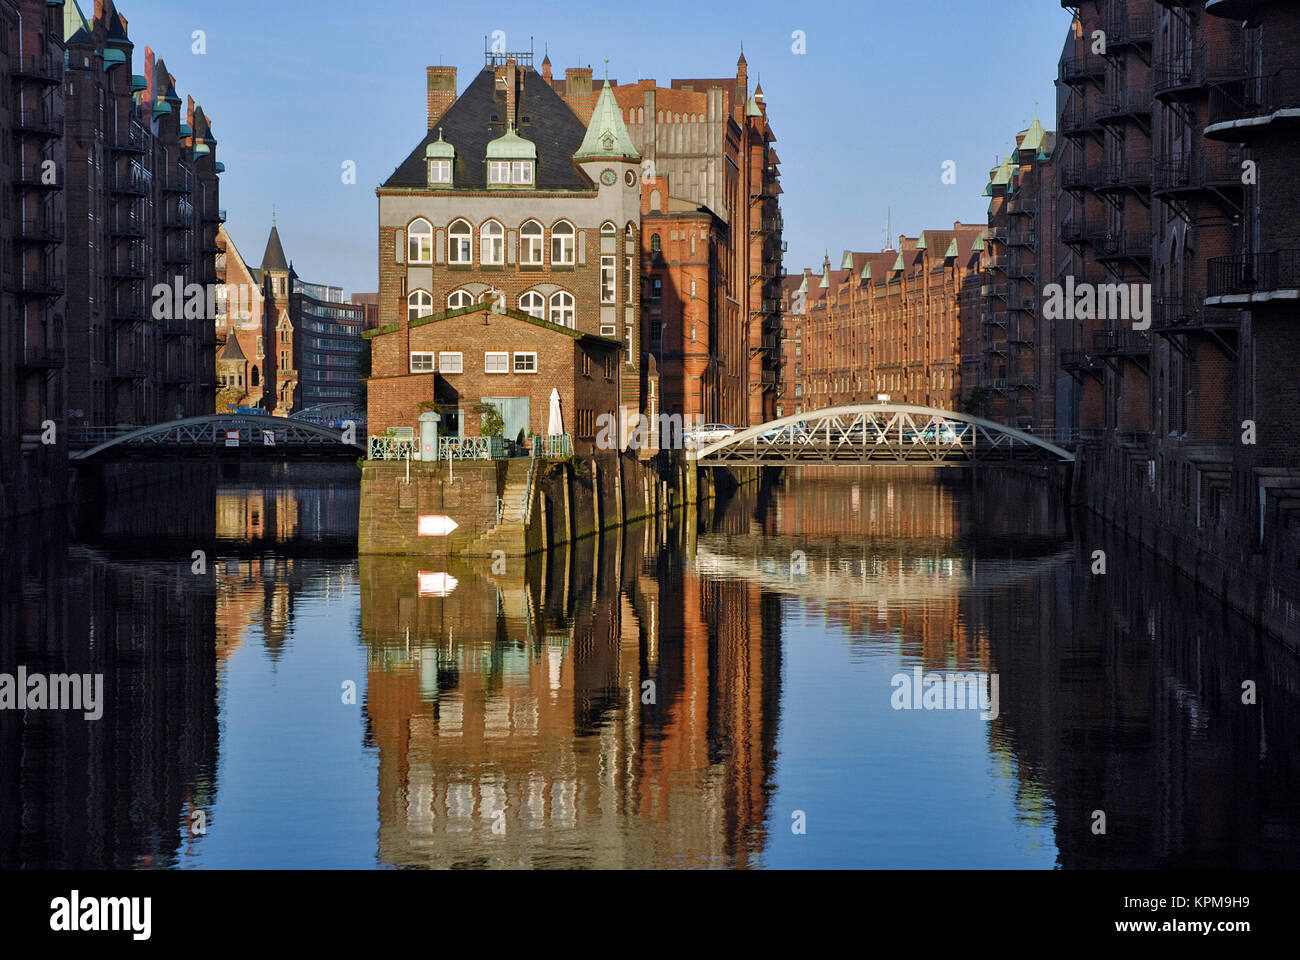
column 391, row 448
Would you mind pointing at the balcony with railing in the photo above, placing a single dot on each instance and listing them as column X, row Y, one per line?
column 1128, row 26
column 1183, row 76
column 178, row 181
column 178, row 219
column 1234, row 9
column 1124, row 245
column 1081, row 176
column 1022, row 238
column 995, row 318
column 1255, row 276
column 129, row 184
column 38, row 120
column 127, row 268
column 1077, row 120
column 1173, row 316
column 1240, row 110
column 127, row 140
column 39, row 356
column 126, row 310
column 48, row 70
column 1081, row 67
column 39, row 283
column 128, row 368
column 43, row 230
column 1022, row 204
column 37, row 176
column 1080, row 361
column 177, row 253
column 1022, row 270
column 1213, row 168
column 1133, row 103
column 1127, row 173
column 1121, row 343
column 126, row 226
column 1022, row 304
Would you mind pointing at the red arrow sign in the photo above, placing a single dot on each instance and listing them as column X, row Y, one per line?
column 436, row 525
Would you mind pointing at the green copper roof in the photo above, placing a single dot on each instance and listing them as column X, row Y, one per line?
column 113, row 57
column 846, row 261
column 826, row 280
column 920, row 244
column 1003, row 174
column 219, row 167
column 978, row 245
column 1033, row 137
column 440, row 149
column 751, row 108
column 201, row 150
column 510, row 146
column 866, row 271
column 952, row 250
column 185, row 130
column 75, row 22
column 803, row 287
column 898, row 264
column 606, row 134
column 161, row 107
column 138, row 83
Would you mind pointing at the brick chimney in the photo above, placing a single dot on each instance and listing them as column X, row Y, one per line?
column 512, row 73
column 442, row 92
column 147, row 97
column 577, row 81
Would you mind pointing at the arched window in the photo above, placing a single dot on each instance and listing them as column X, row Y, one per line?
column 256, row 378
column 531, row 237
column 656, row 245
column 458, row 299
column 461, row 249
column 418, row 304
column 492, row 243
column 533, row 304
column 419, row 242
column 562, row 309
column 562, row 243
column 607, row 229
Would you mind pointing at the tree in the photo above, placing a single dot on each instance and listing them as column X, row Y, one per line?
column 492, row 424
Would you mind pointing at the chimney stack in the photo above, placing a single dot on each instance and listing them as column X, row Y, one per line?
column 577, row 81
column 442, row 92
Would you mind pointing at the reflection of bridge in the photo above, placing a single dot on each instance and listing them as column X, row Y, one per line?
column 879, row 433
column 910, row 576
column 229, row 435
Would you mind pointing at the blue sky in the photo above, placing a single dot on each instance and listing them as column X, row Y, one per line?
column 886, row 92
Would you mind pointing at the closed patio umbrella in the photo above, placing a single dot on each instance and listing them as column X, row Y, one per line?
column 555, row 424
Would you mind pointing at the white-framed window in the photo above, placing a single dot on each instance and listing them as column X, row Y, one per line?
column 419, row 304
column 608, row 278
column 522, row 172
column 607, row 229
column 496, row 362
column 421, row 361
column 627, row 269
column 492, row 243
column 458, row 299
column 611, row 330
column 533, row 304
column 531, row 239
column 450, row 362
column 460, row 237
column 498, row 171
column 419, row 242
column 526, row 362
column 563, row 243
column 440, row 171
column 562, row 309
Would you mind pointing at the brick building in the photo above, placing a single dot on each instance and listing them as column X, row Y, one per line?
column 111, row 192
column 886, row 322
column 711, row 141
column 513, row 201
column 143, row 212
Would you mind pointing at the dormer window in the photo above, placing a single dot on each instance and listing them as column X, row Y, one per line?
column 499, row 172
column 504, row 173
column 440, row 171
column 521, row 172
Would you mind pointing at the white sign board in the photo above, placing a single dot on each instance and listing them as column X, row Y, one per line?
column 268, row 438
column 436, row 525
column 232, row 438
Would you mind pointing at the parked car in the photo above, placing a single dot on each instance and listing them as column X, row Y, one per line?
column 709, row 433
column 787, row 433
column 936, row 431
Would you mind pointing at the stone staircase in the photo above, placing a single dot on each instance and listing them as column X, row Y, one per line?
column 509, row 533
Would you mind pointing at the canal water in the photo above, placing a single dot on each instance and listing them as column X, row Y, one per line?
column 840, row 669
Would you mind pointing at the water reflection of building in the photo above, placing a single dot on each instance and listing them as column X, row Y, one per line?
column 516, row 703
column 116, row 792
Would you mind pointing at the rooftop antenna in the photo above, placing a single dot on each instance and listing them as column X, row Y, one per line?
column 607, row 69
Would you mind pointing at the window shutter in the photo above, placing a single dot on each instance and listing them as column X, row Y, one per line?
column 582, row 248
column 401, row 246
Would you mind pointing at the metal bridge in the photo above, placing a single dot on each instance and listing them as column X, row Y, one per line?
column 881, row 434
column 228, row 435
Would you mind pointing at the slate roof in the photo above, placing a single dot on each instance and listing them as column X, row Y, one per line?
column 468, row 126
column 273, row 258
column 232, row 350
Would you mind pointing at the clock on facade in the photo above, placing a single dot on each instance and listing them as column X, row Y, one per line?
column 608, row 177
column 629, row 178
